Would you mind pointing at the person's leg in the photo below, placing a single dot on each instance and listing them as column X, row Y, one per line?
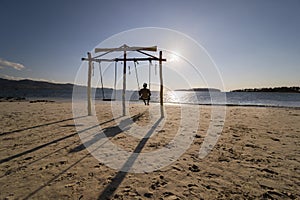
column 144, row 101
column 148, row 101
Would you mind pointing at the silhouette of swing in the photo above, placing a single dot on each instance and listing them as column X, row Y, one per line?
column 102, row 87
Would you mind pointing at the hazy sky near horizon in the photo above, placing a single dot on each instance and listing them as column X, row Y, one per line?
column 253, row 43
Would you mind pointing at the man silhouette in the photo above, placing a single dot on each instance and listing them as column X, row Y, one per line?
column 145, row 94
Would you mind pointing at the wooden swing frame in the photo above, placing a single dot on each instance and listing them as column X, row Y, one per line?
column 124, row 48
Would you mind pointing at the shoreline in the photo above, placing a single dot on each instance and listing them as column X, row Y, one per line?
column 55, row 99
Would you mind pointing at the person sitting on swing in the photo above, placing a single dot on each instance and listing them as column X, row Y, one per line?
column 145, row 94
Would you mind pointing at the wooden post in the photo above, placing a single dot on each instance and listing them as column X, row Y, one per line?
column 161, row 85
column 89, row 85
column 124, row 86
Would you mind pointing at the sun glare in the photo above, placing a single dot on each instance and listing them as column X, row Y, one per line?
column 173, row 58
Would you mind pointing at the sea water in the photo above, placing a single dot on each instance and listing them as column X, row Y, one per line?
column 219, row 98
column 180, row 97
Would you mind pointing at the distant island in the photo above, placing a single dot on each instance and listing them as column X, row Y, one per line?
column 200, row 90
column 275, row 89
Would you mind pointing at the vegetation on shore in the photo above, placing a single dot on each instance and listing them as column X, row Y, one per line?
column 275, row 89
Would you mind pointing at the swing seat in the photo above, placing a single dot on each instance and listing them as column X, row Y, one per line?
column 106, row 99
column 144, row 98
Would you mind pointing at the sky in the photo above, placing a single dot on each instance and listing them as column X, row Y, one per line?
column 253, row 43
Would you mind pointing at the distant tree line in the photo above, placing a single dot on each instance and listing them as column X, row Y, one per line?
column 275, row 89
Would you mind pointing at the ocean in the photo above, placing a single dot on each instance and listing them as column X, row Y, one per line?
column 231, row 98
column 177, row 97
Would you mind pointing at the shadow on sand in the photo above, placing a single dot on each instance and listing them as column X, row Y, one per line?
column 109, row 132
column 51, row 142
column 108, row 192
column 39, row 126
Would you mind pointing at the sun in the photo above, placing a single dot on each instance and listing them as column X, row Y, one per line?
column 173, row 58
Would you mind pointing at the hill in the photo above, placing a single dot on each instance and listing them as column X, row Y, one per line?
column 6, row 84
column 31, row 88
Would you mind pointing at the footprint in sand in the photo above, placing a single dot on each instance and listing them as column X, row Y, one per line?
column 194, row 168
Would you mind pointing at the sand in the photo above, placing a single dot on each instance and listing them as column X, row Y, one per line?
column 42, row 156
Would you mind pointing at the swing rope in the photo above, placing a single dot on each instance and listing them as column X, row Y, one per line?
column 150, row 64
column 100, row 71
column 115, row 84
column 136, row 75
column 93, row 69
column 137, row 78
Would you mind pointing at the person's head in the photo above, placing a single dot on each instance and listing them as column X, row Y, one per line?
column 145, row 85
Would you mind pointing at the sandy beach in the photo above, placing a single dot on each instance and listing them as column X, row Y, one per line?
column 42, row 156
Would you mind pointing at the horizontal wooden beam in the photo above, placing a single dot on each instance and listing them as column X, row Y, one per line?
column 122, row 59
column 98, row 60
column 126, row 48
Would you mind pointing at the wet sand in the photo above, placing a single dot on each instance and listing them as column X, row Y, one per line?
column 42, row 156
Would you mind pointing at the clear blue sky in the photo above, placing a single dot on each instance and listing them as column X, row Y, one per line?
column 254, row 43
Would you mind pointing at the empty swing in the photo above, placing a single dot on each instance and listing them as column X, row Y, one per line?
column 102, row 87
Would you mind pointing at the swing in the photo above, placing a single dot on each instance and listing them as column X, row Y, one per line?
column 143, row 96
column 102, row 87
column 125, row 49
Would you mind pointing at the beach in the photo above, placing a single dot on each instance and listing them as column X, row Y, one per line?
column 42, row 156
